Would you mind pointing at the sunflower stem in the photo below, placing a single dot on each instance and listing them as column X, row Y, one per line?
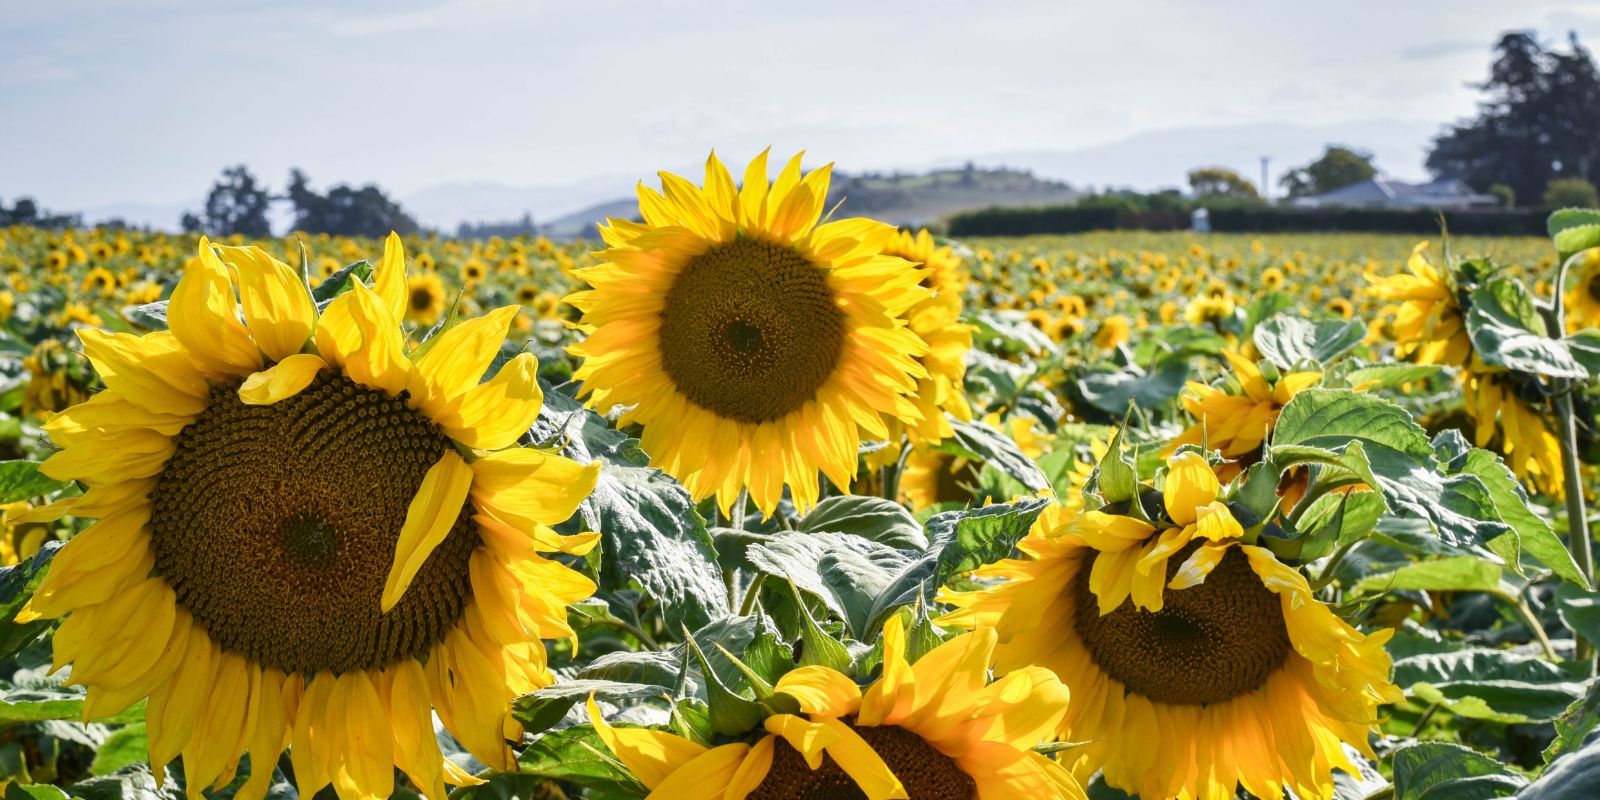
column 752, row 595
column 1532, row 620
column 1325, row 577
column 1579, row 539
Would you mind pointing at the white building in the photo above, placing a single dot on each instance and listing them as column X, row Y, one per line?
column 1389, row 193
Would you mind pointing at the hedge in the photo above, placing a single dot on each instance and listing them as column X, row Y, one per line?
column 1253, row 219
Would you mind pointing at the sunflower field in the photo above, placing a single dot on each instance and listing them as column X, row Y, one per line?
column 748, row 501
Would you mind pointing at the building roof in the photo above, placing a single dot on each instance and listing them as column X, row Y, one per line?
column 1388, row 192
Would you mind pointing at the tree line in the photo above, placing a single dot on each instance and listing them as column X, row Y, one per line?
column 238, row 203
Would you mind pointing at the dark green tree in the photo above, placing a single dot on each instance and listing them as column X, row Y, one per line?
column 346, row 210
column 1222, row 182
column 1540, row 120
column 1571, row 193
column 236, row 204
column 1338, row 167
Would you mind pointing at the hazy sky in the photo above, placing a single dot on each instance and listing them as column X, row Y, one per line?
column 113, row 102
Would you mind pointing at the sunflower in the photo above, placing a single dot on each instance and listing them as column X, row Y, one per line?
column 1530, row 446
column 1341, row 308
column 1428, row 323
column 19, row 538
column 1113, row 332
column 100, row 282
column 937, row 320
column 1198, row 662
column 1237, row 417
column 425, row 298
column 305, row 537
column 1583, row 299
column 932, row 730
column 753, row 345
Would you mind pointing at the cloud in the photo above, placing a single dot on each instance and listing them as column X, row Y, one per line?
column 1443, row 49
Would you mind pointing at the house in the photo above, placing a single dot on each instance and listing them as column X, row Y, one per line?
column 1378, row 192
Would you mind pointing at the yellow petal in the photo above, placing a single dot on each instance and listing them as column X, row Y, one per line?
column 390, row 280
column 457, row 359
column 1190, row 485
column 1197, row 566
column 153, row 372
column 411, row 717
column 650, row 755
column 364, row 766
column 431, row 515
column 277, row 305
column 524, row 483
column 808, row 738
column 821, row 691
column 281, row 380
column 752, row 770
column 494, row 414
column 203, row 315
column 704, row 775
column 862, row 763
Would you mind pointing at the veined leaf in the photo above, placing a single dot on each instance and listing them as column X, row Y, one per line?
column 1507, row 331
column 1289, row 341
column 1440, row 771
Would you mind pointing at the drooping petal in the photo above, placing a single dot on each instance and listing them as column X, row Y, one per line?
column 282, row 380
column 277, row 305
column 203, row 315
column 431, row 515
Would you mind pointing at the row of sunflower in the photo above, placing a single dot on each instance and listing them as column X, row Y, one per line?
column 775, row 505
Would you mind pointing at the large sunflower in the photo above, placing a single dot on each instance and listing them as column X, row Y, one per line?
column 933, row 730
column 1197, row 662
column 307, row 536
column 1428, row 322
column 754, row 345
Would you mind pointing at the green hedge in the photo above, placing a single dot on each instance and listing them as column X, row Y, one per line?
column 1253, row 219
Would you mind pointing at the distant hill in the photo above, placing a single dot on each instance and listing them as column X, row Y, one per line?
column 898, row 198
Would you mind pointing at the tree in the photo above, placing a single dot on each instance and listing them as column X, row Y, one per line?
column 1221, row 182
column 236, row 204
column 1571, row 193
column 1507, row 195
column 1540, row 120
column 1338, row 167
column 346, row 210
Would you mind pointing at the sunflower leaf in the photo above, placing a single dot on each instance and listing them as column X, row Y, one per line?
column 542, row 709
column 1484, row 683
column 1529, row 531
column 959, row 541
column 1574, row 776
column 20, row 480
column 1574, row 724
column 845, row 571
column 977, row 440
column 653, row 534
column 577, row 756
column 339, row 282
column 1508, row 332
column 1439, row 771
column 1289, row 341
column 873, row 518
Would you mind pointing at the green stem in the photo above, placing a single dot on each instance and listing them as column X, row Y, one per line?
column 1579, row 539
column 1317, row 492
column 1533, row 623
column 752, row 595
column 1325, row 577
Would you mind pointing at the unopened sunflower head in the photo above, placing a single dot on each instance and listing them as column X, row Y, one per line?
column 755, row 344
column 1176, row 633
column 308, row 534
column 936, row 729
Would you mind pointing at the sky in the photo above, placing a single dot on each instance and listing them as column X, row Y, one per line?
column 116, row 104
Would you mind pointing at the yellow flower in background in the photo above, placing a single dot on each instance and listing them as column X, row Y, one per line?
column 425, row 298
column 937, row 321
column 753, row 345
column 1198, row 662
column 19, row 540
column 934, row 477
column 100, row 282
column 928, row 730
column 1113, row 332
column 1237, row 420
column 1530, row 447
column 1428, row 323
column 307, row 537
column 1583, row 299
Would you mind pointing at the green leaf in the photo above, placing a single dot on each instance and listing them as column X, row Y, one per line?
column 339, row 282
column 1585, row 348
column 1459, row 574
column 125, row 746
column 1574, row 776
column 1574, row 230
column 1511, row 504
column 1335, row 520
column 1575, row 723
column 577, row 756
column 1440, row 771
column 542, row 709
column 1289, row 341
column 17, row 584
column 36, row 791
column 1112, row 391
column 663, row 668
column 1391, row 375
column 1483, row 683
column 150, row 316
column 134, row 782
column 977, row 440
column 1507, row 331
column 20, row 480
column 959, row 541
column 652, row 533
column 874, row 518
column 1377, row 442
column 846, row 572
